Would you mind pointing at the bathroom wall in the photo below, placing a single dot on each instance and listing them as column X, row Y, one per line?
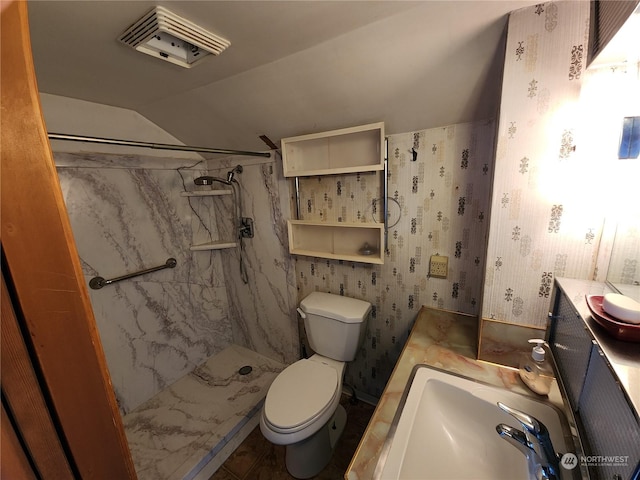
column 80, row 117
column 546, row 218
column 439, row 204
column 127, row 214
column 262, row 310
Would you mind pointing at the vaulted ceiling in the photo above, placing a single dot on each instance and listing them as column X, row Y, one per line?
column 293, row 67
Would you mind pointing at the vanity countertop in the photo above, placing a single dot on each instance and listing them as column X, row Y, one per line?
column 441, row 339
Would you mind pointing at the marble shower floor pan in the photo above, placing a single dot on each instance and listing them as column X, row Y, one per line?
column 189, row 429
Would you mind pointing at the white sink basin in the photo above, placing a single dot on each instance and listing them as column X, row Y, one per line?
column 447, row 430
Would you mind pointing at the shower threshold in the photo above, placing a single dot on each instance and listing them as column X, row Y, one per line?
column 189, row 429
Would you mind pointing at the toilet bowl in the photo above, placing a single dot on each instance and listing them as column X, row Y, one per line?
column 302, row 399
column 302, row 409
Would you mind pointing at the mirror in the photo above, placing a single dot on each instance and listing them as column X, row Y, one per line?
column 615, row 75
column 624, row 267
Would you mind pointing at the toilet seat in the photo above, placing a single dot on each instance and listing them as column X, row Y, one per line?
column 300, row 393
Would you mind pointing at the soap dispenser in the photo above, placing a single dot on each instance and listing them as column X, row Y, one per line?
column 535, row 370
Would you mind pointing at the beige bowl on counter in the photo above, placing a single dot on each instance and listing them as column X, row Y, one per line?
column 621, row 307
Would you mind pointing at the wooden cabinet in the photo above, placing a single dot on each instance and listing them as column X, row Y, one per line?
column 338, row 152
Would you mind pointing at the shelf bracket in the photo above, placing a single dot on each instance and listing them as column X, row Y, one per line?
column 297, row 187
column 385, row 193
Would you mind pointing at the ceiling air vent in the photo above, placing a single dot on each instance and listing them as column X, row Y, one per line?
column 163, row 34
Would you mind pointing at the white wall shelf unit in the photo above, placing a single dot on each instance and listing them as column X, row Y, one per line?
column 337, row 152
column 348, row 150
column 354, row 242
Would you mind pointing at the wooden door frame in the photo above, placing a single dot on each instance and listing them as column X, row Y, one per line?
column 25, row 402
column 45, row 270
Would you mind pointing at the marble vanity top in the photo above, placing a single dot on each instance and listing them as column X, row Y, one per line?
column 445, row 340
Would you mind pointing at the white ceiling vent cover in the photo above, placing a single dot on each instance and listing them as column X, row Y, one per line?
column 165, row 35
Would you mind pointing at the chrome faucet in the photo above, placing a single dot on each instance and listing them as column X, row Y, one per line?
column 533, row 441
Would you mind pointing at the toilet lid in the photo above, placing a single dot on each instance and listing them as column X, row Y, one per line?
column 299, row 393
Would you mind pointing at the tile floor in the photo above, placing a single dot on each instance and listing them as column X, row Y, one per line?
column 258, row 459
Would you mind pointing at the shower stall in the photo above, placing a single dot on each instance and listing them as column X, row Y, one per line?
column 176, row 338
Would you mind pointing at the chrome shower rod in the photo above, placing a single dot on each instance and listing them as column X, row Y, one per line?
column 157, row 146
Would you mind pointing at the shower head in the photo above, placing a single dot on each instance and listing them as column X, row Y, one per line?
column 207, row 180
column 204, row 180
column 230, row 174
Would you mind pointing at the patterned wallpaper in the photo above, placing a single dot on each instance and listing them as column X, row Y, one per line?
column 439, row 185
column 544, row 222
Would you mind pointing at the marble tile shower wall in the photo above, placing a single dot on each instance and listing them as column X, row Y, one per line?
column 542, row 225
column 158, row 327
column 262, row 310
column 438, row 204
column 127, row 214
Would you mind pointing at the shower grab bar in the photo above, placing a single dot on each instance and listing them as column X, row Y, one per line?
column 97, row 283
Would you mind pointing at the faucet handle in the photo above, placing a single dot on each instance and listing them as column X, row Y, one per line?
column 529, row 422
column 550, row 465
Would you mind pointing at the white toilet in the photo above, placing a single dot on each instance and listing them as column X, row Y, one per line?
column 302, row 409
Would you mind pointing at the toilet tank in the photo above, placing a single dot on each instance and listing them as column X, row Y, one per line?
column 335, row 325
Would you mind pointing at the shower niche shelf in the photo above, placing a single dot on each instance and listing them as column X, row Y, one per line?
column 206, row 193
column 217, row 245
column 354, row 242
column 212, row 246
column 348, row 150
